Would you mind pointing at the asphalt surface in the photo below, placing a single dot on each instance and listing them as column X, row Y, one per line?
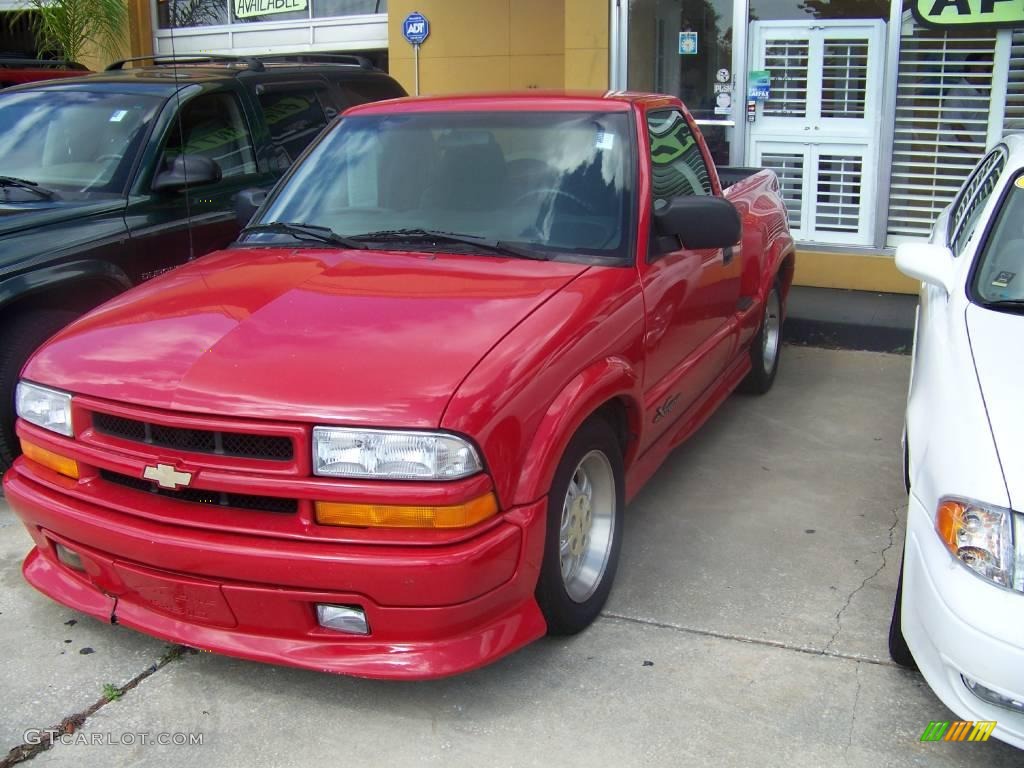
column 747, row 627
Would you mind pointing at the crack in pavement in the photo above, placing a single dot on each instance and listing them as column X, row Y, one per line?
column 72, row 723
column 853, row 716
column 747, row 639
column 849, row 597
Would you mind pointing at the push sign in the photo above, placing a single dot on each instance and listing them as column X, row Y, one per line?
column 416, row 28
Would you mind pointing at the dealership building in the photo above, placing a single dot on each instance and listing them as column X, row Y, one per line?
column 871, row 112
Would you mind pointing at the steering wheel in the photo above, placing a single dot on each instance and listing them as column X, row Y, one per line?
column 583, row 205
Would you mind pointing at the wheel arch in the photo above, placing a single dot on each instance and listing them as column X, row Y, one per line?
column 77, row 286
column 609, row 388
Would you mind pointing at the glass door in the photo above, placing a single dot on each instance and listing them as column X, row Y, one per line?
column 685, row 48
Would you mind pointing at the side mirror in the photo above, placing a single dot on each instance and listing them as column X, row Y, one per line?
column 247, row 202
column 700, row 222
column 927, row 262
column 187, row 171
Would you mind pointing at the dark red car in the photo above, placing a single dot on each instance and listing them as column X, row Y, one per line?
column 392, row 431
column 18, row 71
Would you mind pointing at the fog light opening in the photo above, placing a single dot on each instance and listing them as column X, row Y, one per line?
column 69, row 557
column 342, row 618
column 992, row 697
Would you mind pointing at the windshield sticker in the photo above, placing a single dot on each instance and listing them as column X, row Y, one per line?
column 604, row 140
column 118, row 116
column 1002, row 280
column 1020, row 182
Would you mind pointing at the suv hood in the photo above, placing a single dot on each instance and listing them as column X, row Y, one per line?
column 367, row 338
column 999, row 361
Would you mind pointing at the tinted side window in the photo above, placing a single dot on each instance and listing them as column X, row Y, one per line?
column 295, row 118
column 364, row 91
column 677, row 165
column 212, row 125
column 972, row 199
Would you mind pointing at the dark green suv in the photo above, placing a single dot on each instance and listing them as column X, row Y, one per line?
column 110, row 179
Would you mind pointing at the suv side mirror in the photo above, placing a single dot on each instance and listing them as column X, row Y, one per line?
column 700, row 222
column 187, row 171
column 247, row 202
column 927, row 262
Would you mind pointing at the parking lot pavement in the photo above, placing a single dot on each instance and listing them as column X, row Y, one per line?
column 747, row 627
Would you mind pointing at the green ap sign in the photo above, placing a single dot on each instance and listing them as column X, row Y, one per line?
column 245, row 9
column 969, row 13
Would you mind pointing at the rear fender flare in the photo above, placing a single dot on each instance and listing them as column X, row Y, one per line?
column 605, row 380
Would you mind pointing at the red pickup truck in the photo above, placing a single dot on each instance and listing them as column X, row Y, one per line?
column 392, row 431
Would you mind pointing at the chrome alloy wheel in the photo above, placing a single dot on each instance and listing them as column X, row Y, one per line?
column 772, row 333
column 588, row 526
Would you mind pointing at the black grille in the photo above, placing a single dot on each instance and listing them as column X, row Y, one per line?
column 234, row 444
column 200, row 496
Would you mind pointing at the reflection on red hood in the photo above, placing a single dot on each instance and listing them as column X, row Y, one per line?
column 354, row 337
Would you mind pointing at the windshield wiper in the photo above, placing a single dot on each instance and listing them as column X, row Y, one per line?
column 1016, row 305
column 438, row 236
column 29, row 186
column 308, row 231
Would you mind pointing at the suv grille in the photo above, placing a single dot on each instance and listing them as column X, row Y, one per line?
column 199, row 496
column 235, row 444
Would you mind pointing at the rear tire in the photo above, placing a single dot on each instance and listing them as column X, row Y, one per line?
column 584, row 530
column 18, row 340
column 766, row 348
column 898, row 648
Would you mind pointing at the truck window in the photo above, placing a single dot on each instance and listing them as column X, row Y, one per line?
column 677, row 165
column 295, row 118
column 212, row 125
column 364, row 91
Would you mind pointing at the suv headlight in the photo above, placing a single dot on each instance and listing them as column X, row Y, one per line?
column 384, row 455
column 46, row 408
column 982, row 537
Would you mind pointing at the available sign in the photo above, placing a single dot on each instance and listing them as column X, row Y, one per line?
column 245, row 9
column 969, row 13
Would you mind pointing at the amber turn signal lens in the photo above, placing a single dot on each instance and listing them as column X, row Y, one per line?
column 948, row 522
column 395, row 516
column 60, row 464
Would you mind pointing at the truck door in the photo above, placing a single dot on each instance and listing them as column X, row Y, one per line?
column 168, row 227
column 690, row 295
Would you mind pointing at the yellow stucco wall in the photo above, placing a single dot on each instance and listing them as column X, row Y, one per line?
column 138, row 38
column 586, row 44
column 861, row 272
column 481, row 45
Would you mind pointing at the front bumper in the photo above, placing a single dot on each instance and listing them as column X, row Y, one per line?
column 432, row 610
column 955, row 623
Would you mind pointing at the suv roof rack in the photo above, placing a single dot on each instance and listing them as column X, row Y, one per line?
column 11, row 62
column 253, row 63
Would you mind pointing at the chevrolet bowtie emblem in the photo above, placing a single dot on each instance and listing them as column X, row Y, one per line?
column 167, row 476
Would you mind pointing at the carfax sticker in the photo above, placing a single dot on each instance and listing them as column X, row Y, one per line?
column 1003, row 279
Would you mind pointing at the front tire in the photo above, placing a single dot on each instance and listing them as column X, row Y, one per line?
column 584, row 530
column 766, row 348
column 898, row 648
column 18, row 340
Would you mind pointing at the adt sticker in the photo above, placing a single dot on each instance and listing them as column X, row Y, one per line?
column 687, row 43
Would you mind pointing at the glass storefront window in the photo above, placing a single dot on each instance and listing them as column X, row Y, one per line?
column 803, row 10
column 205, row 13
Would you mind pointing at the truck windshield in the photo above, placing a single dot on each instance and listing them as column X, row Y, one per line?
column 69, row 145
column 555, row 183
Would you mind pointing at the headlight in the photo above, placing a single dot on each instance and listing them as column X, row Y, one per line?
column 44, row 407
column 981, row 537
column 382, row 455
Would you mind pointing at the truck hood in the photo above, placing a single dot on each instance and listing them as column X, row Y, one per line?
column 15, row 217
column 999, row 361
column 368, row 338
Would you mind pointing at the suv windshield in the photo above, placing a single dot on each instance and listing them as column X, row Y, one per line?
column 70, row 145
column 555, row 183
column 999, row 274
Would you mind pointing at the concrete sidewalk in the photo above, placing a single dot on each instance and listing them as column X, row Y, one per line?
column 747, row 627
